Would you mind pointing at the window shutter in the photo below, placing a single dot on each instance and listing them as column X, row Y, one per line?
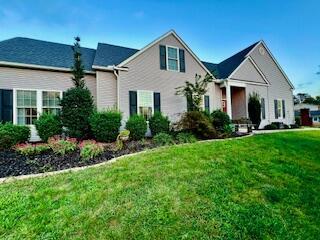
column 157, row 102
column 182, row 61
column 263, row 109
column 207, row 103
column 6, row 105
column 276, row 109
column 133, row 102
column 283, row 109
column 189, row 104
column 163, row 57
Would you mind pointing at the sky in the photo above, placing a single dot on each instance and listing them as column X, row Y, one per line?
column 214, row 29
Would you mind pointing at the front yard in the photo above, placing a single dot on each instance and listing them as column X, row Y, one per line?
column 266, row 186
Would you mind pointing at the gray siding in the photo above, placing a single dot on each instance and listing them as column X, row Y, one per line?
column 145, row 74
column 106, row 90
column 279, row 88
column 43, row 80
column 248, row 72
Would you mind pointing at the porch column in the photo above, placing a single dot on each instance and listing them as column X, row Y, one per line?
column 228, row 98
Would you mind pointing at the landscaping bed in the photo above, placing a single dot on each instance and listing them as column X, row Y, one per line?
column 13, row 163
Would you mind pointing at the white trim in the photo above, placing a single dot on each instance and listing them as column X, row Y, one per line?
column 281, row 100
column 110, row 68
column 258, row 69
column 247, row 82
column 274, row 59
column 167, row 58
column 157, row 41
column 39, row 67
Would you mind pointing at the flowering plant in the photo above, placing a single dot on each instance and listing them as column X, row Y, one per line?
column 62, row 146
column 90, row 149
column 28, row 149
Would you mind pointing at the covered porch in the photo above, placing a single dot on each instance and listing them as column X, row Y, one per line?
column 234, row 101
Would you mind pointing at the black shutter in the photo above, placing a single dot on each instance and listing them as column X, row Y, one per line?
column 157, row 102
column 189, row 104
column 207, row 103
column 133, row 102
column 182, row 61
column 163, row 57
column 263, row 109
column 6, row 105
column 283, row 109
column 276, row 109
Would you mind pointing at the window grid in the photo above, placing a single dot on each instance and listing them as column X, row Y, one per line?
column 173, row 60
column 26, row 107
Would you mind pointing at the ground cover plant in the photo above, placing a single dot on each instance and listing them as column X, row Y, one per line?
column 235, row 189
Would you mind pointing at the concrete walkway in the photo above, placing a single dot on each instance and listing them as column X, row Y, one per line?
column 285, row 130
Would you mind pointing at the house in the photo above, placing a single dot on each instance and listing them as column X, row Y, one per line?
column 313, row 112
column 34, row 74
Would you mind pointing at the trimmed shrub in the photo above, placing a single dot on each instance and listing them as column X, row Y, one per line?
column 137, row 126
column 163, row 139
column 198, row 124
column 220, row 119
column 11, row 135
column 90, row 149
column 297, row 120
column 185, row 137
column 254, row 109
column 48, row 125
column 159, row 123
column 105, row 125
column 271, row 126
column 294, row 126
column 77, row 107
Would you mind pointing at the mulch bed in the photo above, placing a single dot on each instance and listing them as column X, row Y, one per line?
column 14, row 164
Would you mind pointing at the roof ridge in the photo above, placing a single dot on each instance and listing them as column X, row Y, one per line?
column 118, row 46
column 45, row 41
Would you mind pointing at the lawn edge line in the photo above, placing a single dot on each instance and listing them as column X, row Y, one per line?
column 113, row 160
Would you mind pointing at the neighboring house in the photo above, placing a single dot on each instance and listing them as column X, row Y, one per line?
column 311, row 107
column 314, row 112
column 34, row 74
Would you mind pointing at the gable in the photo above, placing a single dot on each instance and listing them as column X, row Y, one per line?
column 248, row 72
column 269, row 66
column 168, row 39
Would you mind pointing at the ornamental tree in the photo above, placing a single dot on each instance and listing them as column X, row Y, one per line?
column 254, row 108
column 77, row 69
column 194, row 92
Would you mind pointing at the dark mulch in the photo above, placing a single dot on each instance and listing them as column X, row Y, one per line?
column 14, row 164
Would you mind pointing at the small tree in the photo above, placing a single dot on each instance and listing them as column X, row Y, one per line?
column 77, row 68
column 195, row 91
column 254, row 108
column 77, row 103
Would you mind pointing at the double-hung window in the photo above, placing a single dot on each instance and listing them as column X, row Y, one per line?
column 26, row 107
column 279, row 108
column 263, row 109
column 51, row 102
column 173, row 58
column 145, row 103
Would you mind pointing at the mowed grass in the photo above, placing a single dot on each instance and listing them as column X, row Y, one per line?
column 262, row 187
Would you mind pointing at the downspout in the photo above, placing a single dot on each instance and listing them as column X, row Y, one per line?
column 118, row 88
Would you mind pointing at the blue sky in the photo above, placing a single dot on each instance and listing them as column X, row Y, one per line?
column 213, row 29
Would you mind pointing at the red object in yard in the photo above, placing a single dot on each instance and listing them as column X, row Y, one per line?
column 305, row 117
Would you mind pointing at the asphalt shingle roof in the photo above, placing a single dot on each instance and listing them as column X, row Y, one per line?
column 37, row 52
column 227, row 66
column 108, row 54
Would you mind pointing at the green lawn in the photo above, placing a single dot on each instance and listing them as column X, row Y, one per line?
column 262, row 187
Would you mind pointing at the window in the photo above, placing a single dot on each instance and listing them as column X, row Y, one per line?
column 172, row 59
column 279, row 108
column 145, row 104
column 263, row 109
column 50, row 102
column 26, row 107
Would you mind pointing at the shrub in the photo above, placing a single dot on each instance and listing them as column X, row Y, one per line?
column 31, row 149
column 11, row 134
column 294, row 126
column 48, row 125
column 137, row 126
column 254, row 109
column 271, row 126
column 198, row 124
column 185, row 137
column 105, row 125
column 297, row 121
column 220, row 119
column 159, row 123
column 62, row 146
column 285, row 126
column 90, row 149
column 163, row 139
column 77, row 107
